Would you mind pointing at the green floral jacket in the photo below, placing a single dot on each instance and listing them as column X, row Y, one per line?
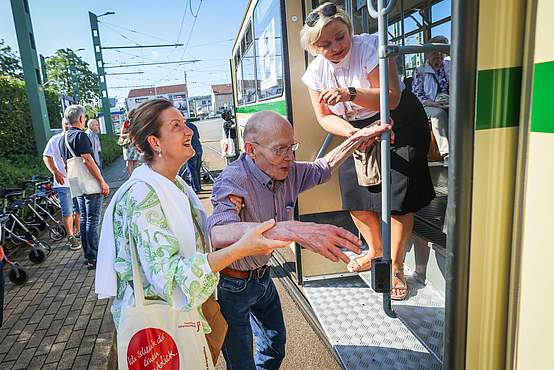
column 139, row 214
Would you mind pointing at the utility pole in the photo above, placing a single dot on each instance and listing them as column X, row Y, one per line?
column 100, row 71
column 43, row 69
column 187, row 93
column 31, row 73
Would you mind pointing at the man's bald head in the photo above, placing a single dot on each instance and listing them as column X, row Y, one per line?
column 265, row 126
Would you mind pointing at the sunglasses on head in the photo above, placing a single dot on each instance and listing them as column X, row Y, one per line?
column 327, row 11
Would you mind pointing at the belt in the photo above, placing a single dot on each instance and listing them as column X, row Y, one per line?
column 258, row 273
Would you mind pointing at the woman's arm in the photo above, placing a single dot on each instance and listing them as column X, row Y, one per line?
column 330, row 122
column 367, row 98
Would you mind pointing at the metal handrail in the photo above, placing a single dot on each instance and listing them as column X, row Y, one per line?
column 324, row 146
column 376, row 13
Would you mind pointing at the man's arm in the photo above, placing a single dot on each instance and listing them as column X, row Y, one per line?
column 364, row 136
column 324, row 239
column 93, row 169
column 51, row 165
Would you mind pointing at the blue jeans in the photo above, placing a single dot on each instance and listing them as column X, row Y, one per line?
column 252, row 306
column 90, row 206
column 194, row 165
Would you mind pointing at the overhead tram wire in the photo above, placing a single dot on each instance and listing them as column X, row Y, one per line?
column 137, row 32
column 180, row 30
column 192, row 28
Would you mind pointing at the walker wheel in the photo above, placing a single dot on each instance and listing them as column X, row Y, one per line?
column 37, row 256
column 57, row 232
column 17, row 276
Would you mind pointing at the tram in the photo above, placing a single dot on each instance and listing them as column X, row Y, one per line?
column 480, row 286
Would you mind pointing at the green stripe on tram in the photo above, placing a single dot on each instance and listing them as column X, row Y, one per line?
column 276, row 106
column 542, row 119
column 498, row 98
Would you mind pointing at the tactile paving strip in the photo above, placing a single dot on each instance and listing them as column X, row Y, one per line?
column 352, row 317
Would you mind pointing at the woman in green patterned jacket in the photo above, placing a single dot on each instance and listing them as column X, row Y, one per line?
column 165, row 220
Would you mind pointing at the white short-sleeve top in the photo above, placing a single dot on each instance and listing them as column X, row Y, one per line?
column 352, row 71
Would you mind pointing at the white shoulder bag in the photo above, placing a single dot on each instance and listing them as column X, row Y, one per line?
column 79, row 177
column 155, row 335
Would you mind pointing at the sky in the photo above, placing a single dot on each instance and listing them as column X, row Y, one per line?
column 59, row 24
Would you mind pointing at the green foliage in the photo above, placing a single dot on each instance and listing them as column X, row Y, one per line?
column 110, row 150
column 9, row 61
column 54, row 106
column 16, row 135
column 19, row 167
column 58, row 70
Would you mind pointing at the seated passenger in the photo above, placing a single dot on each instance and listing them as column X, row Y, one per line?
column 260, row 185
column 431, row 86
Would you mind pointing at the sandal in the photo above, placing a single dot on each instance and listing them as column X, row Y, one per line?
column 356, row 266
column 399, row 282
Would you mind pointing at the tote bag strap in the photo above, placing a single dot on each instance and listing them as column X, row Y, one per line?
column 68, row 147
column 138, row 288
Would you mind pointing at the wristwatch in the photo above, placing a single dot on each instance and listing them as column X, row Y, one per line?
column 352, row 93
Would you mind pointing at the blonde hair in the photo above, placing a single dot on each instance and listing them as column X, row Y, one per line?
column 310, row 35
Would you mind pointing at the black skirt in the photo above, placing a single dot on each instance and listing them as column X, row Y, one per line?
column 411, row 185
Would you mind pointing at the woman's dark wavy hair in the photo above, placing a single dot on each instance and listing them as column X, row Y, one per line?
column 144, row 122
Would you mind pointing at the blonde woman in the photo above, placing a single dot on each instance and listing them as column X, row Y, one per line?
column 343, row 82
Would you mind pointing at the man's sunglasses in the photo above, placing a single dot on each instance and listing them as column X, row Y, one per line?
column 328, row 10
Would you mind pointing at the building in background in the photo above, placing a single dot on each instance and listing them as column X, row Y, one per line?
column 222, row 98
column 200, row 106
column 175, row 93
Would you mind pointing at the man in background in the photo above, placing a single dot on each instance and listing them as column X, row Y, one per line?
column 89, row 204
column 70, row 209
column 93, row 131
column 195, row 163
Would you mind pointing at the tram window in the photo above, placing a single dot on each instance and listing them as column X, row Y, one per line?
column 412, row 61
column 239, row 87
column 442, row 30
column 441, row 10
column 269, row 50
column 248, row 76
column 412, row 22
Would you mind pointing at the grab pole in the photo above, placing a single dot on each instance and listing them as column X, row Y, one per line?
column 382, row 21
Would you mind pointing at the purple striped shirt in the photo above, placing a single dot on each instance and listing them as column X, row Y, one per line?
column 263, row 197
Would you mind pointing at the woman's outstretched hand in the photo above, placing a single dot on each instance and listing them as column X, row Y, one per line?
column 255, row 243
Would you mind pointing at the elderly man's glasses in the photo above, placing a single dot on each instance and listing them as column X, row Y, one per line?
column 282, row 151
column 328, row 10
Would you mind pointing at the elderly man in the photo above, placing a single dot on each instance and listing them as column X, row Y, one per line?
column 89, row 204
column 70, row 208
column 93, row 129
column 260, row 185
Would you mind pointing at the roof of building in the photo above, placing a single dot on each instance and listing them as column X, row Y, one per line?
column 222, row 89
column 158, row 90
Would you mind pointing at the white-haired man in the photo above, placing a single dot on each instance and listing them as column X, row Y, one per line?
column 90, row 204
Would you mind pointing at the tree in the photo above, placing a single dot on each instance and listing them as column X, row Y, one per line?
column 10, row 64
column 58, row 70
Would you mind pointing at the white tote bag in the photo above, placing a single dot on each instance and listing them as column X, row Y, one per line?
column 154, row 335
column 227, row 147
column 79, row 177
